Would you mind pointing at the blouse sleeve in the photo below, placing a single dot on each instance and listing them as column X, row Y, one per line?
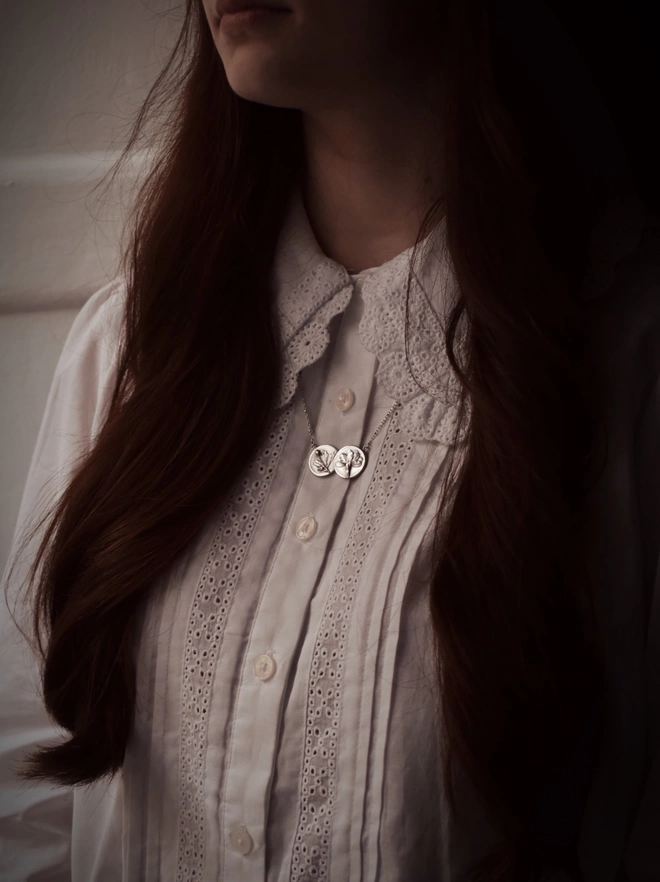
column 35, row 818
column 642, row 855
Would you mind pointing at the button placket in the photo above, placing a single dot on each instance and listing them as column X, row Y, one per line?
column 283, row 609
column 283, row 606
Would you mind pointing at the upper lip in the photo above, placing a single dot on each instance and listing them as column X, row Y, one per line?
column 224, row 7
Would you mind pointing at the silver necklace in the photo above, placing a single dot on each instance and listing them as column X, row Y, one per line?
column 348, row 461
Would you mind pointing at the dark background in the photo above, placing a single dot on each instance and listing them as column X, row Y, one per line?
column 620, row 44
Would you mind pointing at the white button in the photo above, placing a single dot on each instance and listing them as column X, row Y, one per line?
column 306, row 528
column 345, row 400
column 264, row 667
column 241, row 841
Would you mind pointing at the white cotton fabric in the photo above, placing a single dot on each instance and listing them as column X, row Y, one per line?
column 331, row 765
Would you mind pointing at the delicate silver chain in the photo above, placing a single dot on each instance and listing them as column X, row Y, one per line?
column 366, row 446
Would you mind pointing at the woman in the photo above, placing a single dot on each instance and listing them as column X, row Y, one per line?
column 352, row 535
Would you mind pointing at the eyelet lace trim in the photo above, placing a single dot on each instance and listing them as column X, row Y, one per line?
column 423, row 379
column 305, row 313
column 429, row 411
column 310, row 859
column 206, row 627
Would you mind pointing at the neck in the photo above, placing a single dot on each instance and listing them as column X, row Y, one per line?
column 370, row 176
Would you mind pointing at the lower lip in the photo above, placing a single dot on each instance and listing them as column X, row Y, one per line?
column 233, row 22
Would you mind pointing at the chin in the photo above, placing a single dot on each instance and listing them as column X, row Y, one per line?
column 260, row 88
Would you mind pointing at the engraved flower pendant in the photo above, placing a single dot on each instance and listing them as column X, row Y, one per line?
column 321, row 460
column 349, row 461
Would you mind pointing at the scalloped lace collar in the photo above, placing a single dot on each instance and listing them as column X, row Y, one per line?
column 312, row 289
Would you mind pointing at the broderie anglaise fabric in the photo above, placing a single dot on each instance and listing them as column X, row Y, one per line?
column 311, row 851
column 204, row 636
column 423, row 379
column 305, row 313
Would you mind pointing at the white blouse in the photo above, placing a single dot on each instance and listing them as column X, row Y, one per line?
column 287, row 716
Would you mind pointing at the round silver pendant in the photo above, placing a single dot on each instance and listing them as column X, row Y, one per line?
column 350, row 461
column 321, row 460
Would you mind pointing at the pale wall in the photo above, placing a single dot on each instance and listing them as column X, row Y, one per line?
column 71, row 74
